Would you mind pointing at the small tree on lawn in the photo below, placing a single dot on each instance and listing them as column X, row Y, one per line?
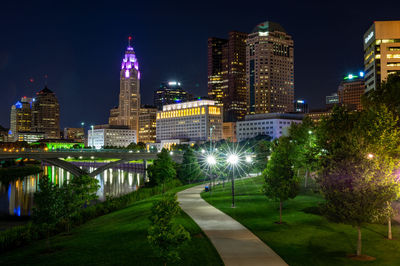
column 83, row 189
column 280, row 181
column 48, row 208
column 189, row 168
column 164, row 235
column 354, row 194
column 305, row 149
column 262, row 151
column 162, row 170
column 80, row 192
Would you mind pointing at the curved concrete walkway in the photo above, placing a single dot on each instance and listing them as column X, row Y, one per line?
column 235, row 243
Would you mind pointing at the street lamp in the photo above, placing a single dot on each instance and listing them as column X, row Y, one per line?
column 92, row 136
column 248, row 159
column 233, row 159
column 211, row 161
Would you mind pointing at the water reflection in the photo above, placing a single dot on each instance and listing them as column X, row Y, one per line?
column 16, row 197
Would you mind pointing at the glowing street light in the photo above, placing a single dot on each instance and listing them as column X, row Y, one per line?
column 211, row 160
column 203, row 151
column 248, row 159
column 233, row 159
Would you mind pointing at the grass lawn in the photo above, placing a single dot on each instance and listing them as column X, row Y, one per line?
column 306, row 238
column 118, row 238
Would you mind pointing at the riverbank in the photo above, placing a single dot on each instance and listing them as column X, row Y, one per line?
column 118, row 238
column 306, row 237
column 16, row 172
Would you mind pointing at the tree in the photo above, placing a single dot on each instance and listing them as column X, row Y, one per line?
column 164, row 235
column 189, row 169
column 280, row 181
column 82, row 190
column 262, row 152
column 388, row 94
column 379, row 128
column 48, row 208
column 162, row 170
column 357, row 188
column 305, row 150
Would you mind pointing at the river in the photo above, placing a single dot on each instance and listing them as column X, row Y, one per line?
column 16, row 197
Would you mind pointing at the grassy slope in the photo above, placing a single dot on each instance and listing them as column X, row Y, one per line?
column 118, row 238
column 306, row 238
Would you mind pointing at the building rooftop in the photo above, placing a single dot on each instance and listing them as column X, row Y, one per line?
column 45, row 91
column 190, row 104
column 295, row 116
column 268, row 26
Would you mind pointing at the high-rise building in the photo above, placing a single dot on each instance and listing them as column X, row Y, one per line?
column 169, row 93
column 300, row 106
column 20, row 118
column 227, row 74
column 147, row 124
column 127, row 112
column 195, row 121
column 350, row 91
column 215, row 79
column 270, row 69
column 46, row 114
column 381, row 52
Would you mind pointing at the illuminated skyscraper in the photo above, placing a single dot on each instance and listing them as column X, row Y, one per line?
column 46, row 114
column 128, row 110
column 215, row 79
column 381, row 52
column 227, row 74
column 170, row 93
column 350, row 91
column 270, row 69
column 21, row 117
column 147, row 124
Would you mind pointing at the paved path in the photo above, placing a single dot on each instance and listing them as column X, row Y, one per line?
column 235, row 243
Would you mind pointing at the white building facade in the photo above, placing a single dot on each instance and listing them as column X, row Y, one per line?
column 273, row 124
column 195, row 121
column 103, row 136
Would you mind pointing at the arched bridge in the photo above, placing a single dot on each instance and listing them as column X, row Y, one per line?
column 57, row 158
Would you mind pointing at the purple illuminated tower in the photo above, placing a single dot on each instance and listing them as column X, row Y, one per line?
column 127, row 112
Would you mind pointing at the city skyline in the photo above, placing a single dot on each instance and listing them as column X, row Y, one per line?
column 64, row 54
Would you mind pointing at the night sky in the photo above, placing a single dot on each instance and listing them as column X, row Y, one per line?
column 79, row 46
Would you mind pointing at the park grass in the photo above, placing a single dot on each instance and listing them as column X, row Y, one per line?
column 306, row 238
column 119, row 238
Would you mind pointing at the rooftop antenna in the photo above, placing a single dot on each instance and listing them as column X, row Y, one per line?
column 45, row 80
column 129, row 41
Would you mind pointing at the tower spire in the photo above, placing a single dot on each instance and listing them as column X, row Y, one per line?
column 129, row 41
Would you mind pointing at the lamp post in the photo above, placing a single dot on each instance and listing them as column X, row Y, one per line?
column 211, row 162
column 233, row 159
column 92, row 136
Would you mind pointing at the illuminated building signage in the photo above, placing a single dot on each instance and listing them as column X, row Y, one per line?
column 351, row 76
column 370, row 35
